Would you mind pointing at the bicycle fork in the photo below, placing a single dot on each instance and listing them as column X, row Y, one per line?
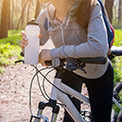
column 52, row 103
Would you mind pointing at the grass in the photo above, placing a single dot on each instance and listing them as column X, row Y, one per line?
column 117, row 61
column 9, row 49
column 118, row 37
column 13, row 37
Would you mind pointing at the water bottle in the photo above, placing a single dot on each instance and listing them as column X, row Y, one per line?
column 31, row 51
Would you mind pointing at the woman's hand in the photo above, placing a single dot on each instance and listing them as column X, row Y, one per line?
column 109, row 52
column 44, row 55
column 23, row 43
column 24, row 40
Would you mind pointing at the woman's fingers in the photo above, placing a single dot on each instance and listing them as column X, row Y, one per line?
column 24, row 40
column 23, row 33
column 40, row 59
column 40, row 36
column 23, row 43
column 44, row 55
column 24, row 36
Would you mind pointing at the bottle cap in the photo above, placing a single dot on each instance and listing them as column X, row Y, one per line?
column 32, row 22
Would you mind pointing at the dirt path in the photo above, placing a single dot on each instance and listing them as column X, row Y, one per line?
column 14, row 94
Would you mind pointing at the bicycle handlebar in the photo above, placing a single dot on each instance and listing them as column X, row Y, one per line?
column 73, row 63
column 115, row 51
column 95, row 60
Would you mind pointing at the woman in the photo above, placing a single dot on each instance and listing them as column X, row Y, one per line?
column 77, row 29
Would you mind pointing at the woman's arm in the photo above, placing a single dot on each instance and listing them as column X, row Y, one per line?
column 97, row 44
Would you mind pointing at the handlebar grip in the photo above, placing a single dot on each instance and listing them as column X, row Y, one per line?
column 98, row 60
column 48, row 63
column 116, row 52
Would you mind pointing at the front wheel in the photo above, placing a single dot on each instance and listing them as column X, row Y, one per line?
column 118, row 96
column 119, row 119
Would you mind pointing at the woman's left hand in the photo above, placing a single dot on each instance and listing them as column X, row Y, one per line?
column 44, row 55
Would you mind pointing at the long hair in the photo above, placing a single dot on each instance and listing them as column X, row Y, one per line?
column 83, row 12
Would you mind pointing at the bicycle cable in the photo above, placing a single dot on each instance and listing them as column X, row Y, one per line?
column 44, row 76
column 37, row 71
column 45, row 90
column 44, row 81
column 52, row 83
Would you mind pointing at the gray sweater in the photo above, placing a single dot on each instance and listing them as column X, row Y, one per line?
column 70, row 40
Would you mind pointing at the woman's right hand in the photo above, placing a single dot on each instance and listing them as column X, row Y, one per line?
column 23, row 43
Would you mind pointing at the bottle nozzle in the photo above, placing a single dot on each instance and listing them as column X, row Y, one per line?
column 33, row 19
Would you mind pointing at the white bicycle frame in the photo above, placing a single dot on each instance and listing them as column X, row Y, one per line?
column 64, row 99
column 62, row 96
column 58, row 95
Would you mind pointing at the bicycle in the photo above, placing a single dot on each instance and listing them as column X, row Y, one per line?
column 117, row 117
column 61, row 91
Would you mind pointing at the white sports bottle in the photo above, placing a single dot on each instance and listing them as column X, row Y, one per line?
column 31, row 51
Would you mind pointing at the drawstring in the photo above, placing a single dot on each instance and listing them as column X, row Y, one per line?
column 62, row 35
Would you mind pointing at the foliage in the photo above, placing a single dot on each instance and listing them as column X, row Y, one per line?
column 9, row 49
column 118, row 37
column 116, row 63
column 13, row 37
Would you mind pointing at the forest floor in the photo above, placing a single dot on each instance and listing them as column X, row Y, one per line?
column 14, row 94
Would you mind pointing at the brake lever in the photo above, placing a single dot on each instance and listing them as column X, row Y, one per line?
column 82, row 69
column 19, row 61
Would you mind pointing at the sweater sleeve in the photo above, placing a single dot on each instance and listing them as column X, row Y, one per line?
column 96, row 44
column 40, row 20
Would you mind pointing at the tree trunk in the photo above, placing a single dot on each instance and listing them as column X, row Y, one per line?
column 120, row 13
column 37, row 8
column 12, row 14
column 28, row 11
column 23, row 15
column 23, row 11
column 9, row 15
column 109, row 8
column 5, row 18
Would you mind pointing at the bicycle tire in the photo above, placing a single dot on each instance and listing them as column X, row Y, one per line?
column 118, row 89
column 119, row 118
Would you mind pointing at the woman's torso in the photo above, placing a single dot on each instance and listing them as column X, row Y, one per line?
column 67, row 33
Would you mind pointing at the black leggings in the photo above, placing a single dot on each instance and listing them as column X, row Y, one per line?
column 100, row 92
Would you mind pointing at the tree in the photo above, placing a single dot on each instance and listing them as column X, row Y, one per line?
column 37, row 8
column 109, row 8
column 22, row 13
column 120, row 13
column 5, row 18
column 28, row 11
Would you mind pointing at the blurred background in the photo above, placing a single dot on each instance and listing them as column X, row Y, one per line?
column 15, row 79
column 14, row 14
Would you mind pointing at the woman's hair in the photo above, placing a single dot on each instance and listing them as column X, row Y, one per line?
column 83, row 12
